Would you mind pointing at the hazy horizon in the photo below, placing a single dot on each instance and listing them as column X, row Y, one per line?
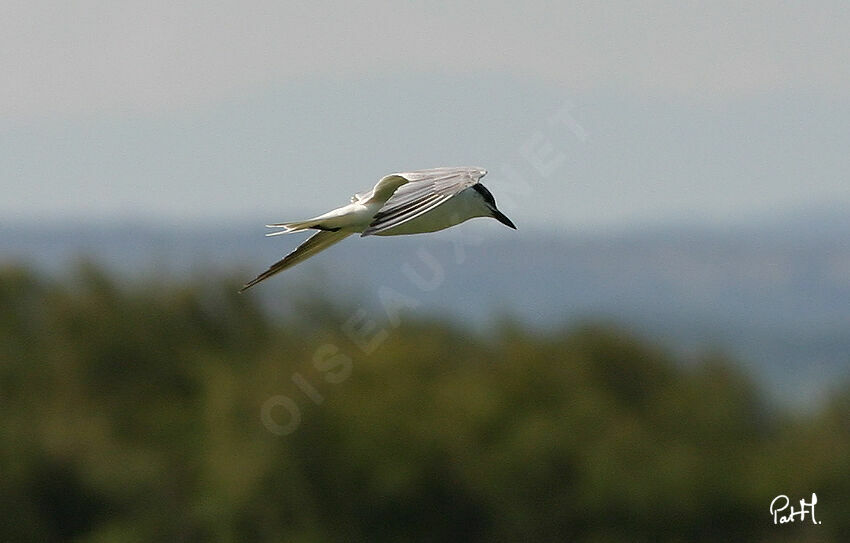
column 586, row 116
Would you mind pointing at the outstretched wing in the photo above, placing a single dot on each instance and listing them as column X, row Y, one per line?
column 424, row 190
column 315, row 243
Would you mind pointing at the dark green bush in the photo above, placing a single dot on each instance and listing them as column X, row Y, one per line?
column 133, row 413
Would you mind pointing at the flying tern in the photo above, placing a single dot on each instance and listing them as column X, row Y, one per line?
column 400, row 203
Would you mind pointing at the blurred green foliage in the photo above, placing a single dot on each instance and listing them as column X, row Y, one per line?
column 133, row 413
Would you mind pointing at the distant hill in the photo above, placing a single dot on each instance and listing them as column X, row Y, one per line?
column 774, row 294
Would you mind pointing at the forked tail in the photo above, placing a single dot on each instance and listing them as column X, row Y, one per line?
column 290, row 227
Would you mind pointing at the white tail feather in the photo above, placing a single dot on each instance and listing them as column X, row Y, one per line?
column 290, row 227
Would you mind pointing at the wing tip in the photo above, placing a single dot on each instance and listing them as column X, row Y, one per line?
column 252, row 282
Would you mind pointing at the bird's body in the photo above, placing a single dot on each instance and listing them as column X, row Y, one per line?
column 405, row 203
column 460, row 208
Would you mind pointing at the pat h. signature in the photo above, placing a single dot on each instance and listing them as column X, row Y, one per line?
column 783, row 514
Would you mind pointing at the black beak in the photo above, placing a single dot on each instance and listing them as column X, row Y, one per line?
column 499, row 216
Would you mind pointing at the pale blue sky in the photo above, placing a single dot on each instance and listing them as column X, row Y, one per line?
column 715, row 112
